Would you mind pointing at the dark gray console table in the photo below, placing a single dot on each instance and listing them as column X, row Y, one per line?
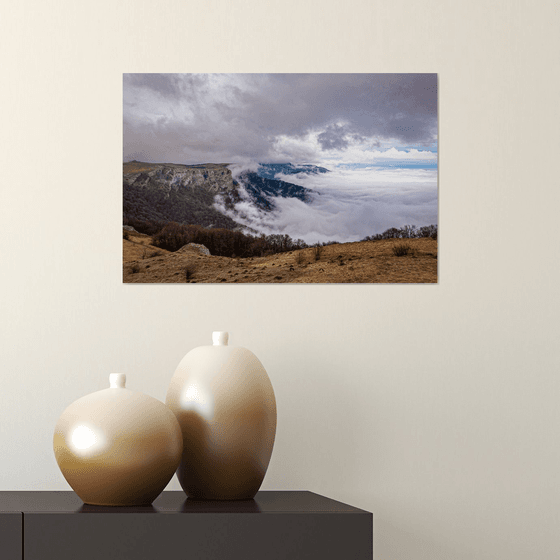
column 273, row 526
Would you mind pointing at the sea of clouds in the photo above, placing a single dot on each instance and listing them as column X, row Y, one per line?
column 348, row 204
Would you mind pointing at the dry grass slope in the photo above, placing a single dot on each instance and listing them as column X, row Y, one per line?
column 360, row 262
column 136, row 167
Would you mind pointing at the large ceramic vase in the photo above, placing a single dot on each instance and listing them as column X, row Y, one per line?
column 225, row 404
column 118, row 447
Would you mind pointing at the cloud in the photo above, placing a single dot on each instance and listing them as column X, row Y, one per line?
column 196, row 118
column 349, row 204
column 334, row 137
column 238, row 169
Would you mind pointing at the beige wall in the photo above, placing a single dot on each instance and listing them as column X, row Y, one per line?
column 434, row 407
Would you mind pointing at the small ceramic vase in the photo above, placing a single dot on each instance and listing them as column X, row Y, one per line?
column 117, row 447
column 225, row 404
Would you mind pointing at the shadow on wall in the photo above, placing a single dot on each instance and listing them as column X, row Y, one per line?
column 324, row 423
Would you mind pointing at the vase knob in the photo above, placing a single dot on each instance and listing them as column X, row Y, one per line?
column 117, row 380
column 220, row 338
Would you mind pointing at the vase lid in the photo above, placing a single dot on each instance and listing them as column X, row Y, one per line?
column 220, row 338
column 117, row 380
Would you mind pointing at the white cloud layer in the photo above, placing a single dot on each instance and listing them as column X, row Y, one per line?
column 349, row 204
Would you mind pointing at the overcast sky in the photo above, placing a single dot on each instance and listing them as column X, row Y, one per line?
column 301, row 118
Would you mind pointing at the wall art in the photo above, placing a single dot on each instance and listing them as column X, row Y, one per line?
column 280, row 178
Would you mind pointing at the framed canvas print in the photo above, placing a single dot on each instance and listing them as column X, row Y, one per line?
column 280, row 178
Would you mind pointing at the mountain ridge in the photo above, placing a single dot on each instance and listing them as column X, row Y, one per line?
column 188, row 194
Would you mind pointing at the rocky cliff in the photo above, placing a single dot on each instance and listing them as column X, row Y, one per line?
column 176, row 193
column 211, row 178
column 263, row 191
column 162, row 192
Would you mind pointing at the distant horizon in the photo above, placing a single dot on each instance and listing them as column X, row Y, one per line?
column 423, row 165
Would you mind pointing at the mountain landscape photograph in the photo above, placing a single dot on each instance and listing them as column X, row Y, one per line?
column 280, row 178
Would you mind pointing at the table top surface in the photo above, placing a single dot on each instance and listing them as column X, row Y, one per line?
column 176, row 502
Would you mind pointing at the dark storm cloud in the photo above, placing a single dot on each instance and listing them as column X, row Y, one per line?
column 272, row 117
column 336, row 137
column 333, row 137
column 166, row 85
column 401, row 106
column 169, row 86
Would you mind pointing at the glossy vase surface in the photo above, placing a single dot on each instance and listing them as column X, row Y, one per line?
column 225, row 405
column 118, row 447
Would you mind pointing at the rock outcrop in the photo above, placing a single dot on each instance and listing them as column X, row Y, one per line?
column 211, row 178
column 196, row 247
column 176, row 193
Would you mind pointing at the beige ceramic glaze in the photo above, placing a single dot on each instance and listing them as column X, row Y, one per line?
column 225, row 404
column 117, row 447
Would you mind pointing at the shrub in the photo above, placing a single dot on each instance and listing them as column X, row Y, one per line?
column 300, row 258
column 135, row 268
column 317, row 251
column 190, row 269
column 406, row 232
column 401, row 249
column 173, row 236
column 144, row 226
column 223, row 242
column 146, row 254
